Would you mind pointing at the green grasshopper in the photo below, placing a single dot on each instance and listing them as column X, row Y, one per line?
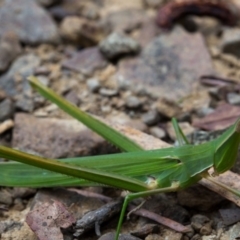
column 141, row 172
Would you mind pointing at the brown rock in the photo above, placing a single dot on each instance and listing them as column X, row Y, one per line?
column 81, row 31
column 54, row 138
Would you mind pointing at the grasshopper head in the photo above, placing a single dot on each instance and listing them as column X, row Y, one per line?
column 226, row 148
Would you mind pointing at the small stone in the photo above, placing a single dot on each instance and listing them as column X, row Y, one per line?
column 5, row 197
column 9, row 49
column 151, row 117
column 231, row 41
column 14, row 81
column 233, row 98
column 72, row 97
column 81, row 31
column 185, row 126
column 47, row 3
column 202, row 112
column 6, row 109
column 106, row 109
column 122, row 236
column 206, row 229
column 198, row 221
column 153, row 3
column 157, row 132
column 168, row 108
column 93, row 85
column 196, row 237
column 133, row 102
column 118, row 44
column 108, row 92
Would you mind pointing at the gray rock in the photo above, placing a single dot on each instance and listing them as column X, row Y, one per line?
column 14, row 81
column 86, row 61
column 168, row 67
column 157, row 132
column 31, row 23
column 231, row 41
column 117, row 44
column 233, row 98
column 151, row 117
column 9, row 49
column 93, row 84
column 108, row 92
column 133, row 102
column 6, row 109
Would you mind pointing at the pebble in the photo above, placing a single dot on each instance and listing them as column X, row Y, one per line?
column 93, row 85
column 118, row 44
column 108, row 92
column 157, row 132
column 9, row 49
column 233, row 98
column 47, row 3
column 81, row 31
column 198, row 221
column 5, row 197
column 231, row 41
column 122, row 236
column 133, row 102
column 6, row 109
column 151, row 117
column 153, row 3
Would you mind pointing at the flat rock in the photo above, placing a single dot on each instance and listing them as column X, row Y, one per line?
column 54, row 138
column 86, row 61
column 31, row 24
column 170, row 65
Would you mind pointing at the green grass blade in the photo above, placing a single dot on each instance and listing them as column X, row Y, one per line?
column 181, row 138
column 110, row 134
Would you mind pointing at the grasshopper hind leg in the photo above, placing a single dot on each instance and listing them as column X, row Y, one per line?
column 132, row 196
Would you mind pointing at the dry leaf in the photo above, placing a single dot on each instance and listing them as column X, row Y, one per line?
column 224, row 116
